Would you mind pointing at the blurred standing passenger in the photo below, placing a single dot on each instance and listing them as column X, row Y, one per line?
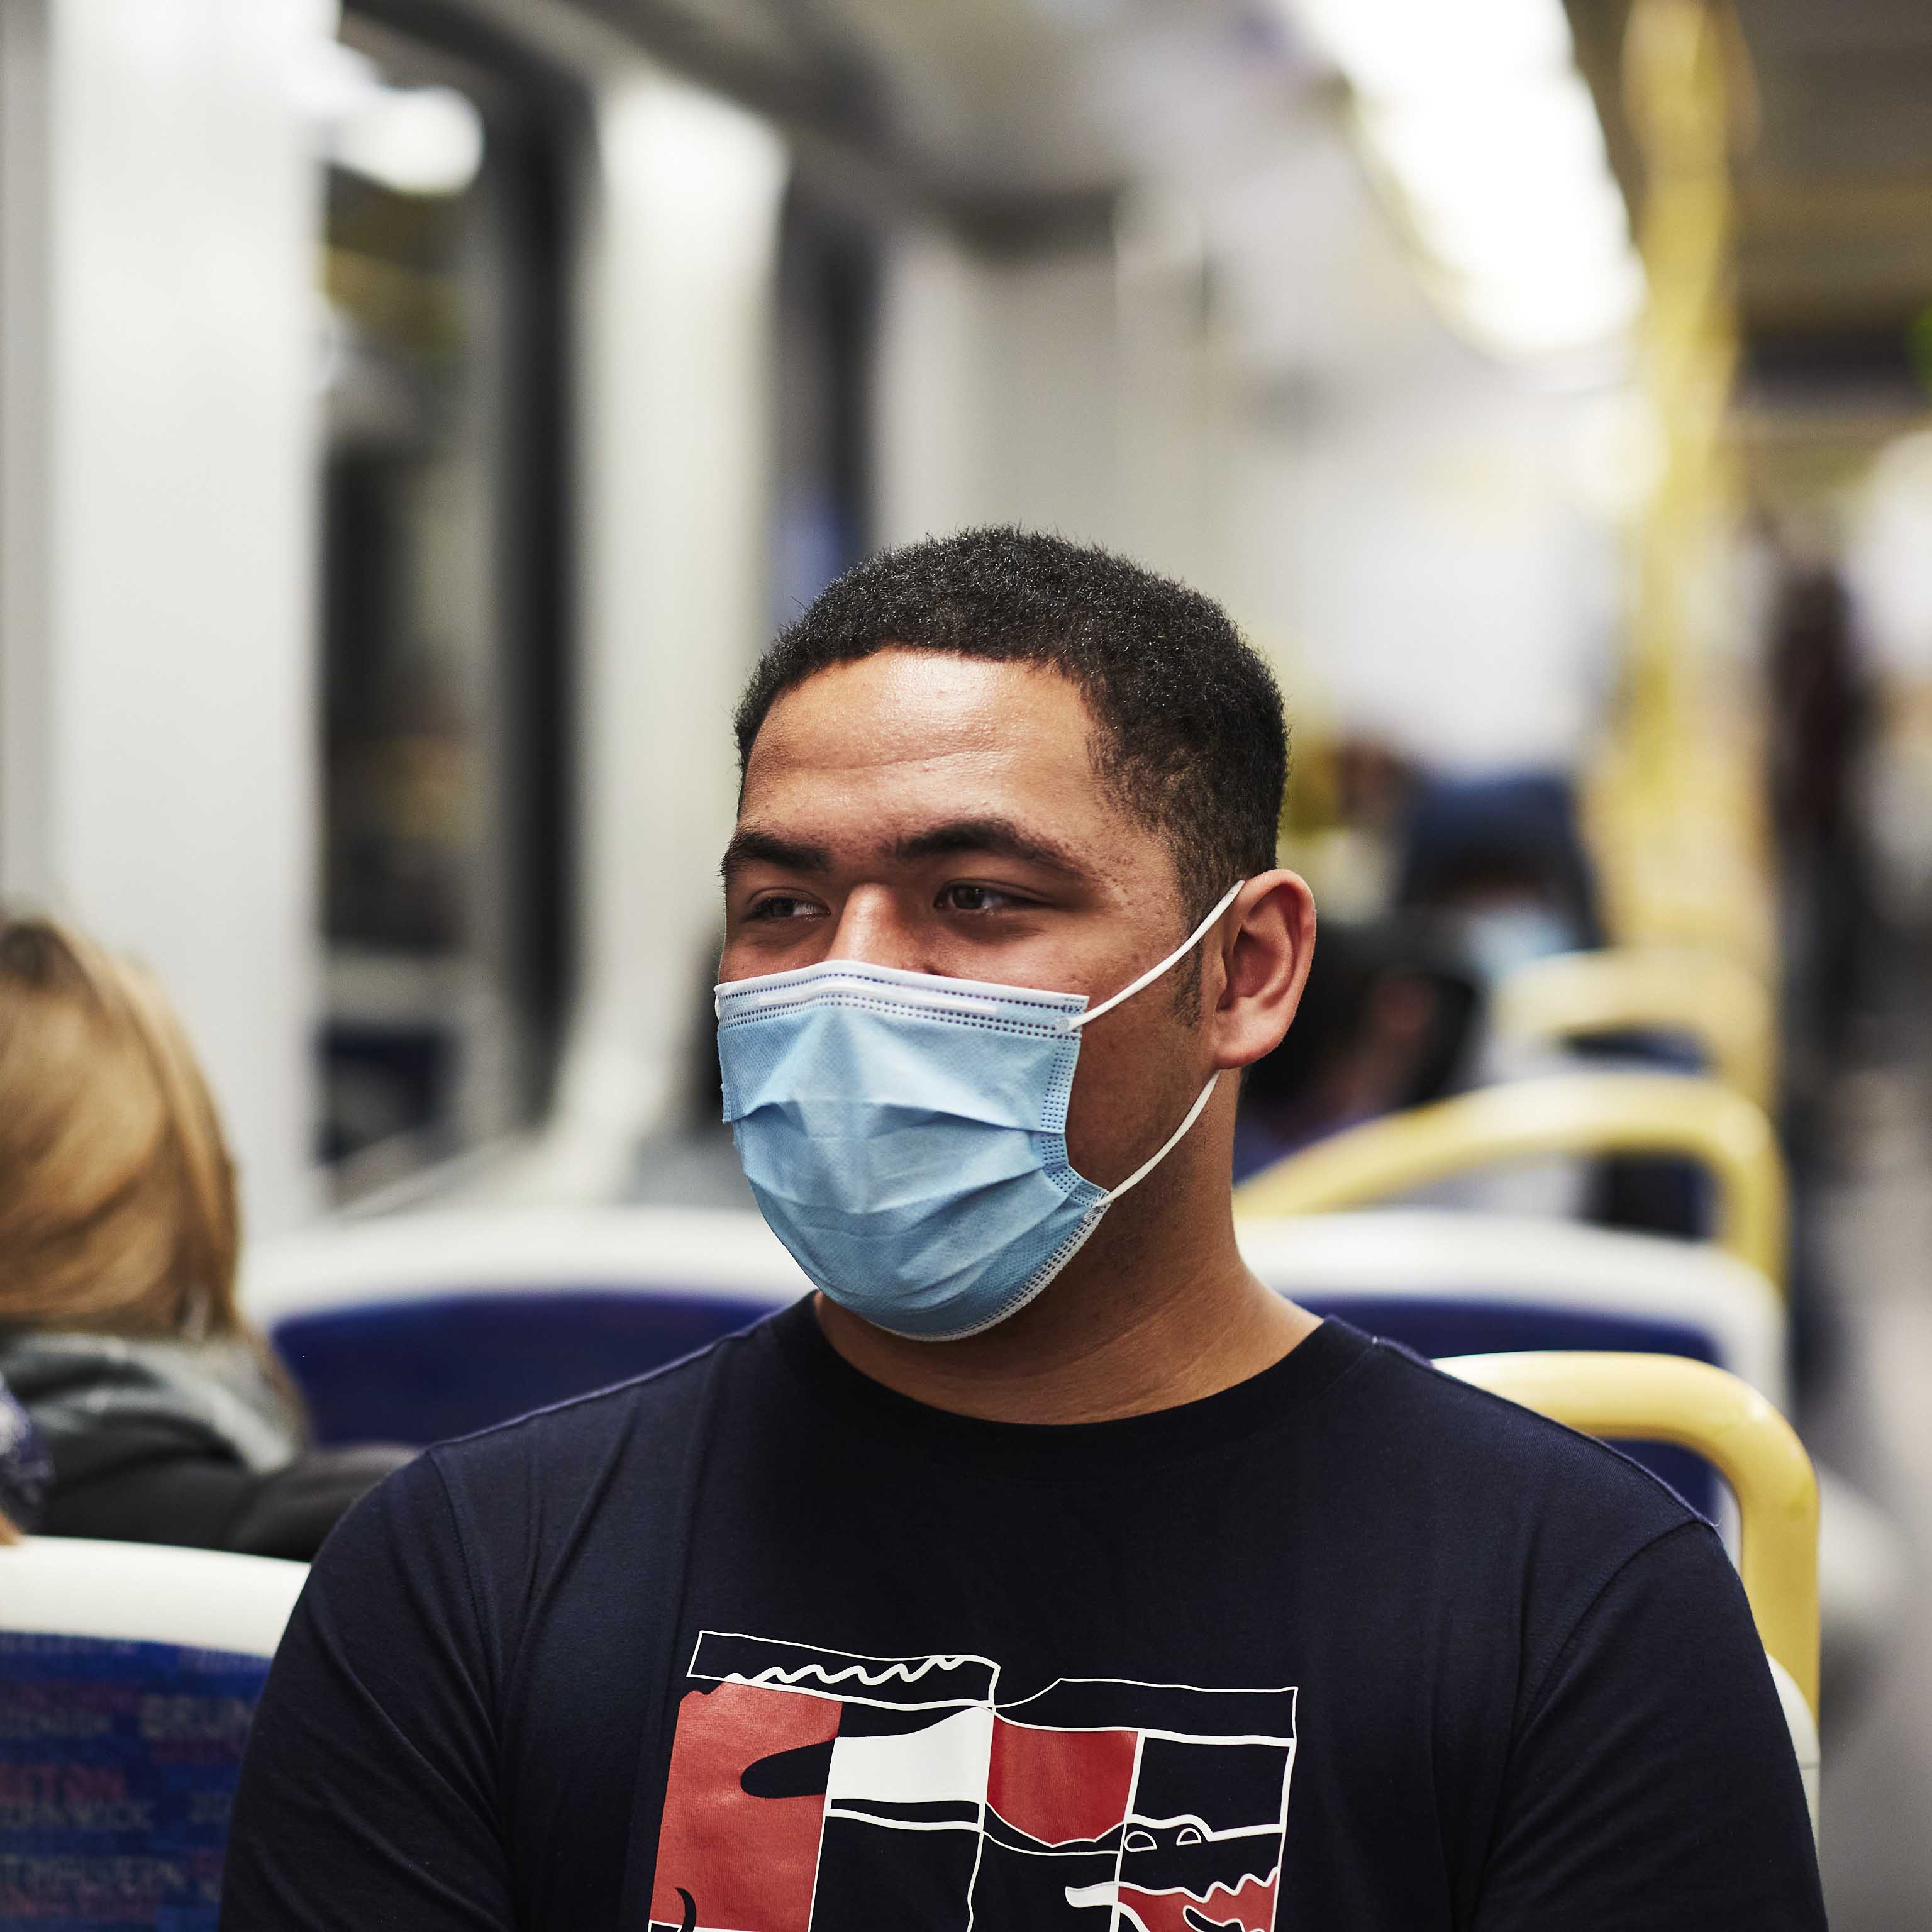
column 166, row 1418
column 1494, row 865
column 1384, row 1023
column 1821, row 725
column 1821, row 718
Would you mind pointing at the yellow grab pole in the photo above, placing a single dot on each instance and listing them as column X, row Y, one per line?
column 1573, row 1114
column 1709, row 997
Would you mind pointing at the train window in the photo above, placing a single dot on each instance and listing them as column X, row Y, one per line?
column 827, row 299
column 443, row 670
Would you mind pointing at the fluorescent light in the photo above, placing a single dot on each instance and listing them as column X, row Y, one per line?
column 1564, row 308
column 330, row 82
column 413, row 140
column 1486, row 136
column 1395, row 49
column 1457, row 146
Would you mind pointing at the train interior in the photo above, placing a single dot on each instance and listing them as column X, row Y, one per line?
column 416, row 416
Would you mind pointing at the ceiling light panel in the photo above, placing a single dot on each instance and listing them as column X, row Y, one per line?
column 1483, row 134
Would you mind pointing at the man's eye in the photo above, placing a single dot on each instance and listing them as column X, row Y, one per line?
column 963, row 897
column 783, row 905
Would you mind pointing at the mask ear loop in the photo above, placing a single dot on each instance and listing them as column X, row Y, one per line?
column 1074, row 1021
column 1168, row 1146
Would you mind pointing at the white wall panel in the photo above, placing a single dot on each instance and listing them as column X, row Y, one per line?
column 997, row 392
column 163, row 682
column 677, row 365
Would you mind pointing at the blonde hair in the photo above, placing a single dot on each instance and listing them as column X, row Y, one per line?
column 117, row 1195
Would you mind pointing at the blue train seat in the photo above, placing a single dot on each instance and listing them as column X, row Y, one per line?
column 431, row 1367
column 129, row 1674
column 417, row 1327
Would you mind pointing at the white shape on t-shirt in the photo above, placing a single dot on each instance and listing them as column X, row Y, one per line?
column 945, row 1761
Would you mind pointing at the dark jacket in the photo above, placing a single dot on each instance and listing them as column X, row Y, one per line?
column 180, row 1442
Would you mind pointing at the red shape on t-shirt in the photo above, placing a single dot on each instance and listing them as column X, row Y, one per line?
column 1252, row 1908
column 1060, row 1787
column 746, row 1862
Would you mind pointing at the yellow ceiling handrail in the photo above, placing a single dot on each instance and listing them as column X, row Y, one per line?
column 1569, row 1114
column 1726, row 1010
column 1672, row 1398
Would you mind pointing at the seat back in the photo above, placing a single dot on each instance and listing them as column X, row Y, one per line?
column 417, row 1327
column 425, row 1368
column 1574, row 1113
column 1658, row 1399
column 129, row 1674
column 1482, row 1283
column 1702, row 996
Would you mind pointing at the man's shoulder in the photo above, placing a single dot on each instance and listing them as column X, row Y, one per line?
column 1473, row 1456
column 645, row 1428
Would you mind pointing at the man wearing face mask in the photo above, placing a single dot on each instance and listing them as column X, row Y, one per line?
column 1044, row 1570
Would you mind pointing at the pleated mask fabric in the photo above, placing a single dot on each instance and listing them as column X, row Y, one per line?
column 904, row 1134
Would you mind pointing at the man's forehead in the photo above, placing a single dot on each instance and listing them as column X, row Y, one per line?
column 900, row 702
column 908, row 755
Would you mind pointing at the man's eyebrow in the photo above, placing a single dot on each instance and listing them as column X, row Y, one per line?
column 751, row 846
column 1000, row 837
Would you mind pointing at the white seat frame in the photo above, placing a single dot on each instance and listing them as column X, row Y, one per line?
column 147, row 1593
column 1407, row 1253
column 727, row 1253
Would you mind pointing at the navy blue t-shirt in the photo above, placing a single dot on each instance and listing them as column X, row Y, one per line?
column 756, row 1645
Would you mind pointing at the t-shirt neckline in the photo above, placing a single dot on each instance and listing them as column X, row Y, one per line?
column 1282, row 1390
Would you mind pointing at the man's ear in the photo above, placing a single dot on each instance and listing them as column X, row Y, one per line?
column 1268, row 941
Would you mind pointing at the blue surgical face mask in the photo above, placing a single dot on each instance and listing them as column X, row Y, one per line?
column 905, row 1134
column 1496, row 940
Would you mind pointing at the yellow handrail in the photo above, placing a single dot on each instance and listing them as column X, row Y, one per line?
column 1676, row 794
column 1725, row 1009
column 1672, row 1398
column 1571, row 1113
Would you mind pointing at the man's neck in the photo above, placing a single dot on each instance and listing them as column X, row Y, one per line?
column 1152, row 1312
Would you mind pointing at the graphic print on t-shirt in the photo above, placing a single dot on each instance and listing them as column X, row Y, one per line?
column 812, row 1790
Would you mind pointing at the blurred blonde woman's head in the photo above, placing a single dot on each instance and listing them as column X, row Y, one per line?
column 117, row 1195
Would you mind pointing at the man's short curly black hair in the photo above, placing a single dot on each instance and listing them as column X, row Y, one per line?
column 1190, row 733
